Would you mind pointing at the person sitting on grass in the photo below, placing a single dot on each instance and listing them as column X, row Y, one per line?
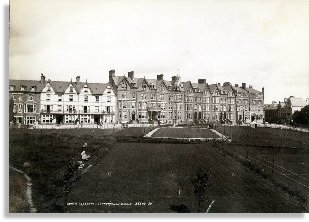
column 85, row 156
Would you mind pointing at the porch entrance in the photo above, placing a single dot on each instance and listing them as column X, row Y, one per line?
column 59, row 119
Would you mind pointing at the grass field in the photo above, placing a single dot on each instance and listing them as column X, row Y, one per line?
column 184, row 133
column 246, row 175
column 156, row 173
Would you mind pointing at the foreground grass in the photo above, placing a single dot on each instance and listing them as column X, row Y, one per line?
column 151, row 172
column 48, row 153
column 136, row 174
column 17, row 193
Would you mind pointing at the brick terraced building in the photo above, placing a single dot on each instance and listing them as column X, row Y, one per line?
column 127, row 99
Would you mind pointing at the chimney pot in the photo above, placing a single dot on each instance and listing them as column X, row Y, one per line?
column 243, row 85
column 131, row 74
column 236, row 85
column 200, row 81
column 160, row 77
column 42, row 78
column 77, row 79
column 111, row 75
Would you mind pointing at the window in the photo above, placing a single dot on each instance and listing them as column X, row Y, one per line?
column 30, row 97
column 12, row 88
column 133, row 95
column 71, row 98
column 59, row 98
column 71, row 109
column 109, row 99
column 20, row 108
column 71, row 89
column 85, row 98
column 47, row 97
column 96, row 109
column 23, row 88
column 124, row 95
column 97, row 99
column 109, row 89
column 59, row 108
column 48, row 88
column 30, row 108
column 30, row 119
column 47, row 118
column 32, row 89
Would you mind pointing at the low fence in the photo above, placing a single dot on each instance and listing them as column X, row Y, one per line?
column 89, row 126
column 77, row 126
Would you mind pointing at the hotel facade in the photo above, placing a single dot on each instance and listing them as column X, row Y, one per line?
column 127, row 99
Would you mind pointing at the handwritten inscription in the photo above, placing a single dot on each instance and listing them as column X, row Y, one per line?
column 138, row 203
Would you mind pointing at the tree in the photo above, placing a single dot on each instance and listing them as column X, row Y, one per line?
column 302, row 116
column 201, row 183
column 11, row 110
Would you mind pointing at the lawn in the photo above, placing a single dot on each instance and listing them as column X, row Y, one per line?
column 184, row 133
column 161, row 174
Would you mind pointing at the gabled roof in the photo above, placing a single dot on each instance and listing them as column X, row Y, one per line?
column 186, row 85
column 239, row 89
column 152, row 82
column 228, row 88
column 203, row 86
column 194, row 85
column 212, row 87
column 97, row 88
column 59, row 86
column 28, row 83
column 118, row 79
column 251, row 90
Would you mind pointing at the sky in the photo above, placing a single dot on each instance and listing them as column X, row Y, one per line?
column 263, row 43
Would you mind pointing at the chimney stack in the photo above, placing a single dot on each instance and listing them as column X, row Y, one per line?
column 160, row 77
column 200, row 81
column 42, row 79
column 250, row 86
column 236, row 85
column 77, row 79
column 218, row 84
column 111, row 75
column 243, row 85
column 131, row 74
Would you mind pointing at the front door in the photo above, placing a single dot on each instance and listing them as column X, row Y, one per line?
column 59, row 119
column 97, row 119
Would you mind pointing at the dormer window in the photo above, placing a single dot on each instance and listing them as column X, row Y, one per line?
column 86, row 99
column 71, row 89
column 32, row 89
column 12, row 88
column 23, row 88
column 144, row 86
column 48, row 88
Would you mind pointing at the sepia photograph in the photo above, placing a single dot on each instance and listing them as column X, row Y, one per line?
column 153, row 106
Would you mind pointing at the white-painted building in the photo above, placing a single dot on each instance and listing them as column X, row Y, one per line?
column 77, row 102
